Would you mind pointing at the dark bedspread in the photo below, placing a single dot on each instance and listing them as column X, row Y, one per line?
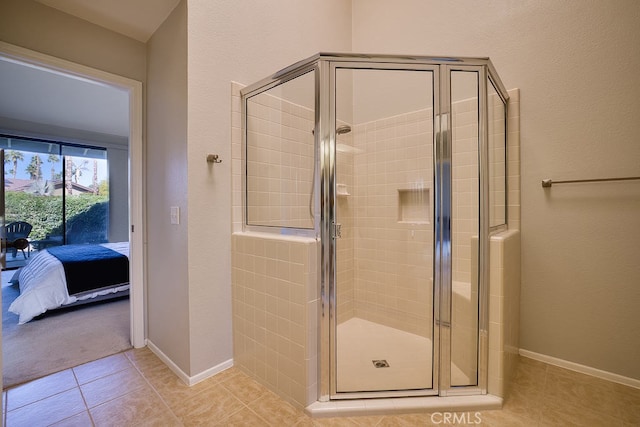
column 91, row 267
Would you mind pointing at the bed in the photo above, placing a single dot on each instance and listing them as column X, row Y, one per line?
column 71, row 275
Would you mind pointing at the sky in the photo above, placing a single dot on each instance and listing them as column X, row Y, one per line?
column 85, row 179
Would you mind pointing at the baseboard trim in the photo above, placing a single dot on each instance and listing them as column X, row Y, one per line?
column 188, row 380
column 583, row 369
column 211, row 372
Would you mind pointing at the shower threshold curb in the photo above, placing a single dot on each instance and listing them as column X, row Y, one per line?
column 388, row 406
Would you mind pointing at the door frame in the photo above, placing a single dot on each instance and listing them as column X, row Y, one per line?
column 136, row 182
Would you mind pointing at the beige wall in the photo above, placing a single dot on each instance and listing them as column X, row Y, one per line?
column 166, row 180
column 576, row 64
column 243, row 42
column 225, row 41
column 31, row 25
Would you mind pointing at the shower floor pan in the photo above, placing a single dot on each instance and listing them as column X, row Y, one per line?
column 361, row 343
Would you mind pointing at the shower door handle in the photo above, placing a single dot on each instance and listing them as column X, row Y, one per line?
column 337, row 230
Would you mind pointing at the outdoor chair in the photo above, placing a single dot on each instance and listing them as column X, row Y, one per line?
column 18, row 232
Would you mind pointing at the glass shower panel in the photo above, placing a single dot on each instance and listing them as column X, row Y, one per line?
column 465, row 227
column 384, row 207
column 280, row 155
column 497, row 142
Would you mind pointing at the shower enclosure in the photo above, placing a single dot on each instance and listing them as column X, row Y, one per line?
column 396, row 165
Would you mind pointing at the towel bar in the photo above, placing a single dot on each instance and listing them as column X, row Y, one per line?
column 548, row 182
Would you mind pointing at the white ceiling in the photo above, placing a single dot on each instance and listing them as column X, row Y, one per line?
column 41, row 96
column 34, row 94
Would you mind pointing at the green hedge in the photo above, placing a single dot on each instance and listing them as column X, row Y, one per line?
column 86, row 213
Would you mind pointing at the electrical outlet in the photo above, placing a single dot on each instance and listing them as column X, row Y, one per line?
column 175, row 214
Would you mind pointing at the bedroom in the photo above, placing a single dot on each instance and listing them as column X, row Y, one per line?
column 62, row 122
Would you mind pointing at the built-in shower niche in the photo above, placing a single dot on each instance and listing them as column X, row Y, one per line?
column 413, row 205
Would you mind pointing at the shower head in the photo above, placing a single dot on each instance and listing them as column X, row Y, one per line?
column 343, row 129
column 339, row 131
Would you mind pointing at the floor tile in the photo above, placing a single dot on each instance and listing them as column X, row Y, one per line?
column 628, row 403
column 530, row 376
column 276, row 411
column 144, row 359
column 48, row 411
column 523, row 404
column 244, row 388
column 500, row 418
column 101, row 367
column 81, row 420
column 558, row 413
column 140, row 407
column 40, row 389
column 227, row 374
column 368, row 421
column 212, row 405
column 136, row 388
column 244, row 417
column 112, row 386
column 576, row 389
column 407, row 420
column 175, row 392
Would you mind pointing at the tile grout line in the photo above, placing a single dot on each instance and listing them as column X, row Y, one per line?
column 83, row 399
column 131, row 365
column 245, row 405
column 144, row 377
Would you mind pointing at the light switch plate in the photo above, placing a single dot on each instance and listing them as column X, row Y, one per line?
column 175, row 214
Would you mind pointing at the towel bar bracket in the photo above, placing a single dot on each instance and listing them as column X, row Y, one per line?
column 213, row 158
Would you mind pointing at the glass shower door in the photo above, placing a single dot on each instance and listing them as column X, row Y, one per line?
column 384, row 231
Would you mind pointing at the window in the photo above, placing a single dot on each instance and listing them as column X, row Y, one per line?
column 61, row 190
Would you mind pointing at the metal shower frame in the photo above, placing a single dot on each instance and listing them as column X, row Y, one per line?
column 324, row 66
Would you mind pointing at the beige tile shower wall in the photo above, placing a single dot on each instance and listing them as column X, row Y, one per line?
column 505, row 270
column 393, row 253
column 275, row 317
column 464, row 326
column 345, row 300
column 464, row 241
column 279, row 162
column 497, row 159
column 513, row 160
column 504, row 251
column 465, row 184
column 504, row 309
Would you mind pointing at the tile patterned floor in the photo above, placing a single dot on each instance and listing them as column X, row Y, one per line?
column 135, row 388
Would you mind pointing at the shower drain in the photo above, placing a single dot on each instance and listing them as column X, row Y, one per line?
column 380, row 363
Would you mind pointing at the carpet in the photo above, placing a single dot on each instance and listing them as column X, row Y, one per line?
column 60, row 339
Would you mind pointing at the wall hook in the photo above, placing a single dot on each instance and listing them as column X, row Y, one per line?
column 213, row 158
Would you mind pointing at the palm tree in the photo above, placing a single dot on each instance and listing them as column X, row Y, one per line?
column 53, row 159
column 77, row 168
column 68, row 167
column 73, row 171
column 14, row 157
column 94, row 182
column 34, row 169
